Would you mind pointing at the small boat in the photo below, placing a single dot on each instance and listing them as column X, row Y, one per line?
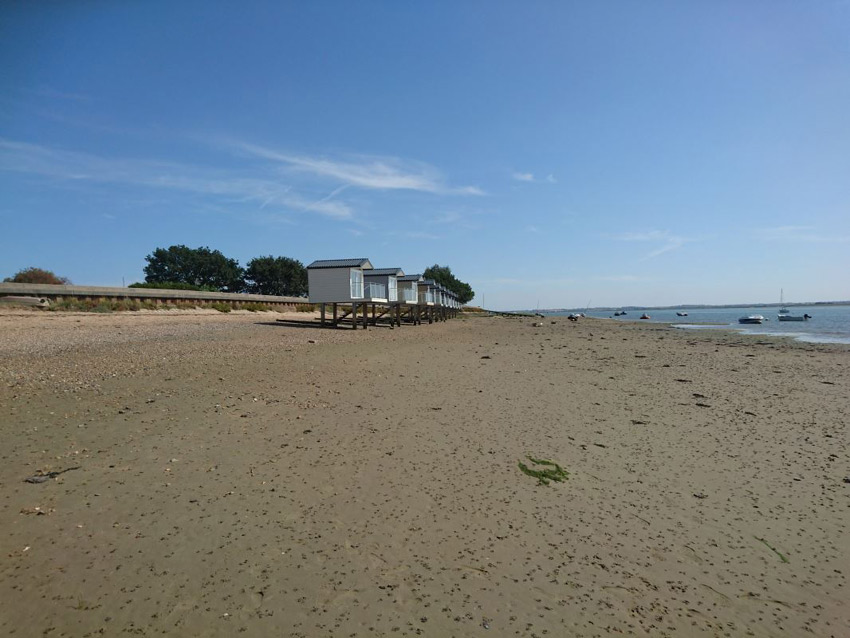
column 619, row 313
column 805, row 317
column 783, row 310
column 681, row 314
column 645, row 316
column 751, row 319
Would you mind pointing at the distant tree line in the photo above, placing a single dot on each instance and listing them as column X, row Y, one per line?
column 183, row 268
column 205, row 269
column 187, row 268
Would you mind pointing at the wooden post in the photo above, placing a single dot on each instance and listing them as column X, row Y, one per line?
column 365, row 316
column 335, row 315
column 354, row 315
column 323, row 315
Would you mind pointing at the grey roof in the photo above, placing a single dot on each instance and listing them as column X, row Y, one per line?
column 384, row 271
column 341, row 263
column 410, row 278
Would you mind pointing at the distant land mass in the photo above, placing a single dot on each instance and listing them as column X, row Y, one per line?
column 690, row 307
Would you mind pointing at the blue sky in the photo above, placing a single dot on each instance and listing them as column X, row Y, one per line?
column 551, row 153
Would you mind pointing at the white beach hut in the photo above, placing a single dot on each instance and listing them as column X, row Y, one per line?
column 408, row 307
column 427, row 298
column 408, row 289
column 340, row 281
column 426, row 289
column 382, row 290
column 382, row 284
column 337, row 280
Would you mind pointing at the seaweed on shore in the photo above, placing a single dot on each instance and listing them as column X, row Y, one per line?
column 553, row 472
column 782, row 556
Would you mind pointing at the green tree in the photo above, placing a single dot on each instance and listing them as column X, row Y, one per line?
column 34, row 275
column 443, row 275
column 276, row 276
column 194, row 266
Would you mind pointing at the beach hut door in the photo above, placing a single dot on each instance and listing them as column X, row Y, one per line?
column 356, row 284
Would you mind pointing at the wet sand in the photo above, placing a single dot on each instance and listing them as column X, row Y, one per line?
column 211, row 475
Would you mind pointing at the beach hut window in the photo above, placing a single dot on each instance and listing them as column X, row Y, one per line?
column 393, row 288
column 356, row 284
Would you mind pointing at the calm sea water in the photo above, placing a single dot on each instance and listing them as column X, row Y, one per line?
column 829, row 324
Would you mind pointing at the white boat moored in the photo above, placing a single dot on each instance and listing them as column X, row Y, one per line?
column 751, row 319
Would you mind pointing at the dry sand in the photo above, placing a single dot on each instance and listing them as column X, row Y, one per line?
column 220, row 474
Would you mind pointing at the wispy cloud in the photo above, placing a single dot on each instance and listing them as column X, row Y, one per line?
column 363, row 171
column 461, row 217
column 279, row 180
column 669, row 242
column 83, row 167
column 327, row 198
column 809, row 234
column 529, row 177
column 448, row 217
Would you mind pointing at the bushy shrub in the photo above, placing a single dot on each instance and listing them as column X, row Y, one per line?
column 34, row 275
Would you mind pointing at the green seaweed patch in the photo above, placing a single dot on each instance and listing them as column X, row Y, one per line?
column 782, row 556
column 551, row 472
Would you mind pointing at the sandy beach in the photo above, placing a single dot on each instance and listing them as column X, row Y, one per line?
column 202, row 474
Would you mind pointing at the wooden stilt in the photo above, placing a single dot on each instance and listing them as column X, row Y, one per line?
column 323, row 315
column 336, row 318
column 354, row 315
column 365, row 316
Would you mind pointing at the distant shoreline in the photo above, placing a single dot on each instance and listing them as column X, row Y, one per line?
column 691, row 306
